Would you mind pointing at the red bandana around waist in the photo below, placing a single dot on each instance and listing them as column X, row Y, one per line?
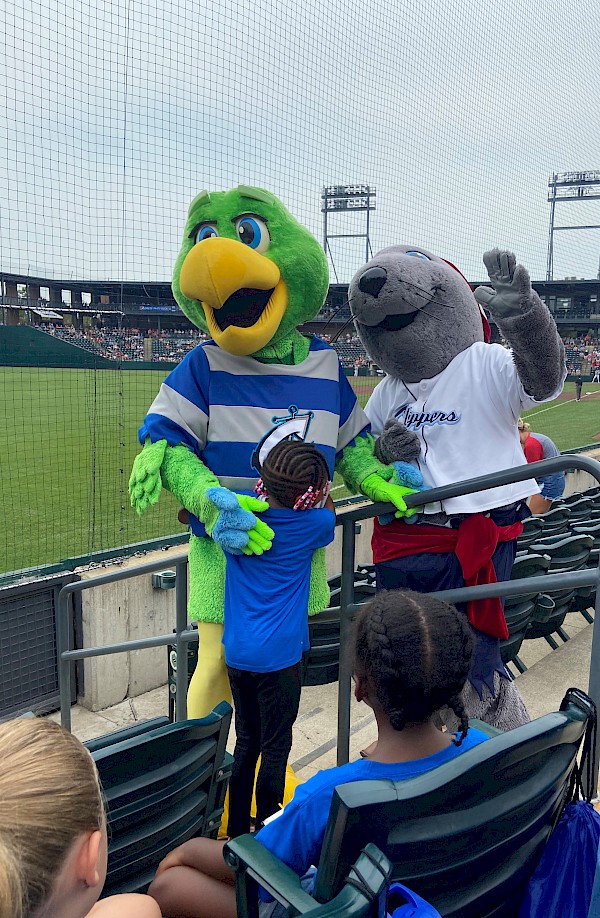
column 473, row 543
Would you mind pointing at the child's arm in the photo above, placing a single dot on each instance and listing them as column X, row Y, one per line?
column 323, row 525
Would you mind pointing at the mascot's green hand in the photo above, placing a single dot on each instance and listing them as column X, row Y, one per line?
column 261, row 537
column 145, row 482
column 511, row 295
column 236, row 529
column 376, row 489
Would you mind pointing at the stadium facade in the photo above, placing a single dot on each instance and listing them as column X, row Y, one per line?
column 24, row 300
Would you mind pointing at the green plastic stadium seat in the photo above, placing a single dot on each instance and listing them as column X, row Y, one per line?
column 466, row 836
column 569, row 552
column 571, row 499
column 532, row 531
column 584, row 599
column 580, row 509
column 520, row 610
column 125, row 733
column 518, row 616
column 162, row 787
column 555, row 521
column 320, row 666
column 588, row 527
column 364, row 589
column 529, row 564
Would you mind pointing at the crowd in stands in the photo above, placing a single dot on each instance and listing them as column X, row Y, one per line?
column 128, row 343
column 329, row 311
column 172, row 345
column 582, row 354
column 350, row 350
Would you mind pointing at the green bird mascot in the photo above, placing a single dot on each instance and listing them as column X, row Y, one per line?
column 247, row 274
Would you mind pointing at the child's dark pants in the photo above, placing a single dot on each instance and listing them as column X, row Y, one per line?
column 266, row 706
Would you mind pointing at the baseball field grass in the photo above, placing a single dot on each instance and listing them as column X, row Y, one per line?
column 70, row 437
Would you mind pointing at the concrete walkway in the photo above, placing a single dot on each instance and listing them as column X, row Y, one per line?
column 550, row 673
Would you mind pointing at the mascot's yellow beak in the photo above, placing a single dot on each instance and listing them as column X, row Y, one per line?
column 242, row 293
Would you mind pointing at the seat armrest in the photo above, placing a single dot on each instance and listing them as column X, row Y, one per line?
column 361, row 888
column 485, row 728
column 246, row 856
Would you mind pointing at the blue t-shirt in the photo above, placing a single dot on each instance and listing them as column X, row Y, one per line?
column 266, row 596
column 296, row 836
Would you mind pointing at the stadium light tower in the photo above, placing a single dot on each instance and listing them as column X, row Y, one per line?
column 337, row 199
column 564, row 188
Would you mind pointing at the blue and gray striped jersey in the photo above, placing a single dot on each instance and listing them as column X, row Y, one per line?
column 231, row 410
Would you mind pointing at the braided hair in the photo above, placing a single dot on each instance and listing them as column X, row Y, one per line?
column 414, row 651
column 292, row 467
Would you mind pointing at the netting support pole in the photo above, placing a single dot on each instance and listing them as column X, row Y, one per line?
column 345, row 671
column 181, row 675
column 63, row 621
column 594, row 683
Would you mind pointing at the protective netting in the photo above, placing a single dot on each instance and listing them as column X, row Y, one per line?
column 114, row 115
column 72, row 440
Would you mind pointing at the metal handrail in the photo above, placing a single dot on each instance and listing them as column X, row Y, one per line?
column 347, row 519
column 181, row 638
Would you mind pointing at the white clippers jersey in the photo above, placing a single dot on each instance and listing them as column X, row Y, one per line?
column 466, row 418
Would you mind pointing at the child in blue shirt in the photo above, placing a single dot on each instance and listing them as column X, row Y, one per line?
column 266, row 625
column 412, row 657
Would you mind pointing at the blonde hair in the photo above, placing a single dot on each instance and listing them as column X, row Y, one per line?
column 523, row 425
column 49, row 795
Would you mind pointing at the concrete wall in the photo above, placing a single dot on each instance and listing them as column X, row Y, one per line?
column 577, row 480
column 363, row 547
column 28, row 347
column 125, row 611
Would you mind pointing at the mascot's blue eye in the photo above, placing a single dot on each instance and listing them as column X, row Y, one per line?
column 420, row 255
column 205, row 232
column 253, row 232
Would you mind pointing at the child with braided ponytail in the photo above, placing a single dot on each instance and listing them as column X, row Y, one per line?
column 266, row 625
column 412, row 657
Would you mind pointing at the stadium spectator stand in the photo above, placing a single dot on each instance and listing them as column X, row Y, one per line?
column 582, row 353
column 128, row 343
column 171, row 346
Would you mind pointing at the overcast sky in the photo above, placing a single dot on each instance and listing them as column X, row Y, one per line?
column 114, row 115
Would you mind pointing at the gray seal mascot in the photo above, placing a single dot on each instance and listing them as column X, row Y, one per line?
column 449, row 403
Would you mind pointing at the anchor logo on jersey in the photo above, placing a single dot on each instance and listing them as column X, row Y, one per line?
column 293, row 426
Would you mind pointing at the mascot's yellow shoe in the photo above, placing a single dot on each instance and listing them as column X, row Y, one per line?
column 291, row 783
